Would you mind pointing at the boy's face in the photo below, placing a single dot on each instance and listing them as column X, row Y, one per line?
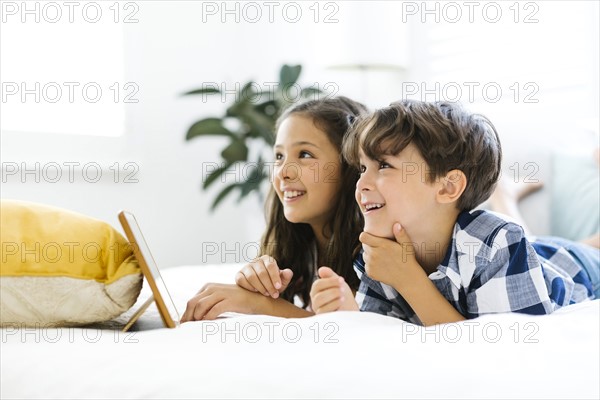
column 395, row 189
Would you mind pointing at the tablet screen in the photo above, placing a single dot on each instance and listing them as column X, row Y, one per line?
column 163, row 299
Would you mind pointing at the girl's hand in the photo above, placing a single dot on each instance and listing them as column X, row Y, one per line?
column 216, row 298
column 331, row 293
column 264, row 276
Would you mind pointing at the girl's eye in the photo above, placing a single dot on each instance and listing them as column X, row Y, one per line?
column 362, row 169
column 305, row 154
column 278, row 157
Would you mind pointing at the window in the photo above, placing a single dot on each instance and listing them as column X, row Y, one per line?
column 62, row 67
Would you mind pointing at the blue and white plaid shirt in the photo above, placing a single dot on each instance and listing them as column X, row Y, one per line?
column 490, row 267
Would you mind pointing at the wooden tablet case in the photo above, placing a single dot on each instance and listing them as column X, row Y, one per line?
column 148, row 274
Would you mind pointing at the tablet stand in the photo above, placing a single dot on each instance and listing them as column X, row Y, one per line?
column 138, row 313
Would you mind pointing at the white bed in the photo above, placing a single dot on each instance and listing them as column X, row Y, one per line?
column 338, row 355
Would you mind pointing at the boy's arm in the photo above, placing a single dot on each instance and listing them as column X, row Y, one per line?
column 394, row 263
column 427, row 302
column 513, row 261
column 413, row 284
column 508, row 279
column 512, row 279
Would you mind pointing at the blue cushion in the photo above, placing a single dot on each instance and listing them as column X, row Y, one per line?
column 575, row 204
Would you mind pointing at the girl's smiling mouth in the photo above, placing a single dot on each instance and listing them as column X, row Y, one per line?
column 290, row 195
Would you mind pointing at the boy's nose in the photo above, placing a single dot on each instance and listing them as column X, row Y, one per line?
column 363, row 183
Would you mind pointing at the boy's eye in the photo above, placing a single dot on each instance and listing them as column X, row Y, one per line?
column 278, row 157
column 305, row 154
column 362, row 169
column 383, row 164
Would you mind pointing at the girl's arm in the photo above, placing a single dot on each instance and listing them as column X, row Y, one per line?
column 281, row 308
column 215, row 299
column 263, row 275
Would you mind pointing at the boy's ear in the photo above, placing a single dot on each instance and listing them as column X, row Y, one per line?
column 451, row 186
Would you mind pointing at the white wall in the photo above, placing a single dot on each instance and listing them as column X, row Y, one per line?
column 169, row 51
column 172, row 50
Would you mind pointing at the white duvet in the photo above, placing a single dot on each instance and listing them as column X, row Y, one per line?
column 338, row 355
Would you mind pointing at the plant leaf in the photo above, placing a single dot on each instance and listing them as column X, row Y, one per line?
column 288, row 75
column 248, row 187
column 255, row 112
column 207, row 90
column 245, row 97
column 255, row 176
column 257, row 123
column 265, row 95
column 208, row 126
column 222, row 195
column 248, row 94
column 235, row 151
column 212, row 177
column 268, row 109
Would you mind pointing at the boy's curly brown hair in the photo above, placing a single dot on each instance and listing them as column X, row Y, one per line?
column 447, row 136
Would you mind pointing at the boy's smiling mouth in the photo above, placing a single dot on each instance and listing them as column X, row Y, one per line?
column 371, row 207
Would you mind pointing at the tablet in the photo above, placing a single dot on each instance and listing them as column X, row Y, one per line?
column 160, row 294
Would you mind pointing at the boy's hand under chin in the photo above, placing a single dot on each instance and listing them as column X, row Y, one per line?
column 391, row 261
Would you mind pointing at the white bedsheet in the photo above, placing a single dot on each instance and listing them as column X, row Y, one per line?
column 338, row 355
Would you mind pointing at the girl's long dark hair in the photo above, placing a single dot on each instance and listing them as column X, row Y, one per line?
column 293, row 245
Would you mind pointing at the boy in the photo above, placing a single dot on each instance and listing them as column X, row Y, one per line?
column 427, row 258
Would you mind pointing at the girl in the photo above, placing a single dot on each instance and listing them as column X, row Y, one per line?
column 312, row 218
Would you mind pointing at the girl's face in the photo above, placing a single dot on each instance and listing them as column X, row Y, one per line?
column 307, row 173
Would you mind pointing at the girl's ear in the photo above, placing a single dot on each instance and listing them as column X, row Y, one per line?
column 451, row 186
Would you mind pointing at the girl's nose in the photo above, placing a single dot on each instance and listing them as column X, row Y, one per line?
column 288, row 171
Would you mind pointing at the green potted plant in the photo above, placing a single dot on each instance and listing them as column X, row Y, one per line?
column 250, row 118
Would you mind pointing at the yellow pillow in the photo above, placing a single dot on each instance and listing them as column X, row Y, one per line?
column 61, row 268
